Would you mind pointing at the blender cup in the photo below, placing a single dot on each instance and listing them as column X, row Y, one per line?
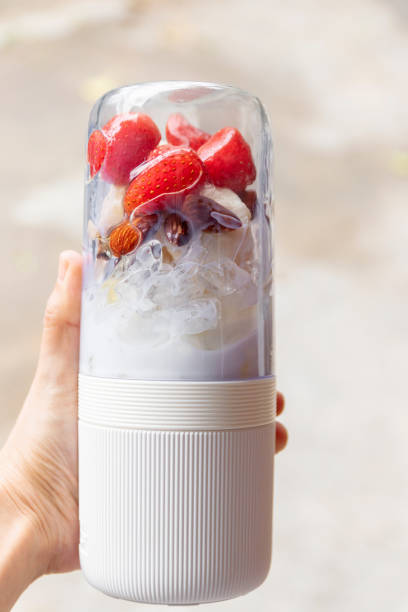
column 176, row 384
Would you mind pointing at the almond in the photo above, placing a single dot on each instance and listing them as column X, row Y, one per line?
column 124, row 238
column 177, row 230
column 127, row 236
column 207, row 214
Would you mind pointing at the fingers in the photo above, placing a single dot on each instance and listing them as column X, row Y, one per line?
column 280, row 403
column 281, row 435
column 60, row 339
column 64, row 303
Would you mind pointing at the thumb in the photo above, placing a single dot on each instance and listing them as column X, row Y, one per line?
column 60, row 338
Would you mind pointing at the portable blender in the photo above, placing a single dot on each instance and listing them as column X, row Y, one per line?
column 176, row 384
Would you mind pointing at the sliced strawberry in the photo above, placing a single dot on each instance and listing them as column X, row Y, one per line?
column 228, row 160
column 96, row 151
column 163, row 148
column 180, row 132
column 164, row 180
column 129, row 139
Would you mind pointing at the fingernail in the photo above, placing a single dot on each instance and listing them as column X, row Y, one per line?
column 62, row 267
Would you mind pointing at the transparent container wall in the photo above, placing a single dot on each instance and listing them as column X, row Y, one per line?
column 177, row 239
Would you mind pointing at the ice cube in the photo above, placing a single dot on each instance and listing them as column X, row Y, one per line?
column 194, row 317
column 196, row 252
column 156, row 288
column 186, row 281
column 149, row 255
column 225, row 276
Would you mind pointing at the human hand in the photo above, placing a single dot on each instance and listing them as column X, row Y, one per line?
column 38, row 465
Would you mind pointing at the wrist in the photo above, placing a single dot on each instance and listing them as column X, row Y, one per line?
column 23, row 556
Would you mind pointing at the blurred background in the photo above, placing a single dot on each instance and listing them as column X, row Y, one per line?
column 333, row 77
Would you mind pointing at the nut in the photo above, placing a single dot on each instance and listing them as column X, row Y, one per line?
column 124, row 238
column 207, row 214
column 127, row 236
column 177, row 230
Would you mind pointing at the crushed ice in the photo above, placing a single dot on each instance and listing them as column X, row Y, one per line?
column 160, row 301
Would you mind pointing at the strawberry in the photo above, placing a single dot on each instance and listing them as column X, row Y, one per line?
column 159, row 150
column 180, row 132
column 162, row 181
column 96, row 151
column 228, row 160
column 129, row 139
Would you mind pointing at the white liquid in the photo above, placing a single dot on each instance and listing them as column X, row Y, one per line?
column 175, row 360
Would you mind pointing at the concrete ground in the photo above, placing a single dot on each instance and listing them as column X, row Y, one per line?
column 333, row 76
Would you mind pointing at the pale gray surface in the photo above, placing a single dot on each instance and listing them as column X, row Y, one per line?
column 333, row 76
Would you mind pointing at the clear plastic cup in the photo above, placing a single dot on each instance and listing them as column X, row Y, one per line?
column 178, row 235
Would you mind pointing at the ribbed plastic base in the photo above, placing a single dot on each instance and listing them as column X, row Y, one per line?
column 175, row 517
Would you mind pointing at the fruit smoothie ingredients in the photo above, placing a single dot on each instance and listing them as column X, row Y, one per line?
column 162, row 181
column 228, row 160
column 175, row 192
column 176, row 238
column 180, row 132
column 129, row 138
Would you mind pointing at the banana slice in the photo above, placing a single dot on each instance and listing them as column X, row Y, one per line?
column 112, row 209
column 229, row 199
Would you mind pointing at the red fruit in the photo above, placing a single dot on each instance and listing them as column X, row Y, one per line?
column 180, row 132
column 96, row 151
column 228, row 160
column 129, row 139
column 163, row 148
column 163, row 180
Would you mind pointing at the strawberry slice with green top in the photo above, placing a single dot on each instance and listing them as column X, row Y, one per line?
column 164, row 181
column 228, row 160
column 180, row 132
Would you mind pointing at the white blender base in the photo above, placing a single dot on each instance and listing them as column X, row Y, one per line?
column 170, row 516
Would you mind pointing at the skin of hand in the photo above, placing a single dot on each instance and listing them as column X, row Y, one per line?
column 38, row 465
